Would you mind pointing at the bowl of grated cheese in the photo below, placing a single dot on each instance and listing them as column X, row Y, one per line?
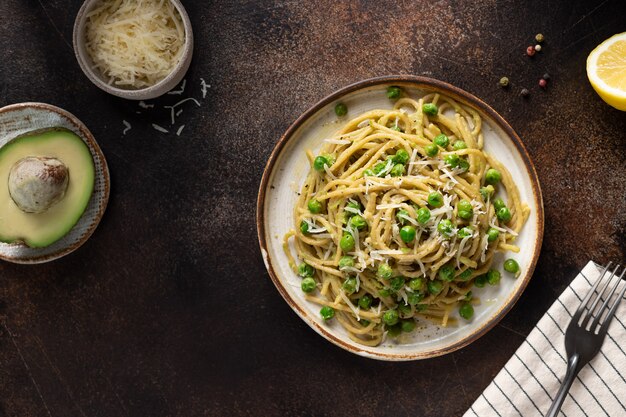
column 134, row 50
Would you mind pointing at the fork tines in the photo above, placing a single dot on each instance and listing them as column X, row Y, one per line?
column 596, row 319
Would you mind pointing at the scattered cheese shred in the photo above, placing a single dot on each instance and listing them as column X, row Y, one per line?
column 159, row 128
column 127, row 125
column 135, row 44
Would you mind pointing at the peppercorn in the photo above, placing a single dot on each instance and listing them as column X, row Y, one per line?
column 543, row 83
column 539, row 37
column 504, row 82
column 538, row 48
column 530, row 51
column 546, row 76
column 524, row 92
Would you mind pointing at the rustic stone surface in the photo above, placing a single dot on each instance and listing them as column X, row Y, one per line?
column 168, row 309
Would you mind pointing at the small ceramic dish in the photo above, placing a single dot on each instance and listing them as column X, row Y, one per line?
column 160, row 88
column 288, row 167
column 19, row 119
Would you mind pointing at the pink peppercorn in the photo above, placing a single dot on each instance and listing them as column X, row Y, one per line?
column 530, row 51
column 543, row 83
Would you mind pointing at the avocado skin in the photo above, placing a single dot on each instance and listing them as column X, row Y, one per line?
column 39, row 230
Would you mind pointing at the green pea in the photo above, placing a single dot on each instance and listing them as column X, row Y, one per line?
column 365, row 302
column 405, row 309
column 504, row 214
column 466, row 311
column 396, row 283
column 431, row 149
column 391, row 317
column 327, row 312
column 407, row 234
column 347, row 242
column 416, row 284
column 306, row 270
column 466, row 275
column 492, row 234
column 452, row 160
column 465, row 206
column 430, row 109
column 402, row 216
column 480, row 280
column 397, row 170
column 393, row 92
column 395, row 330
column 314, row 206
column 349, row 285
column 435, row 199
column 346, row 262
column 364, row 322
column 320, row 162
column 341, row 109
column 421, row 307
column 401, row 157
column 408, row 326
column 358, row 222
column 468, row 296
column 458, row 145
column 492, row 176
column 465, row 215
column 465, row 232
column 445, row 227
column 493, row 277
column 423, row 215
column 414, row 298
column 353, row 207
column 368, row 173
column 379, row 167
column 498, row 203
column 304, row 227
column 511, row 265
column 446, row 272
column 442, row 140
column 308, row 285
column 435, row 287
column 463, row 164
column 487, row 192
column 385, row 292
column 384, row 271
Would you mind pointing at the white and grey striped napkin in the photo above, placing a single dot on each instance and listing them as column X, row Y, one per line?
column 531, row 378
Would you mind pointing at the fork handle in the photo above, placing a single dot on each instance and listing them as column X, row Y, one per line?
column 572, row 371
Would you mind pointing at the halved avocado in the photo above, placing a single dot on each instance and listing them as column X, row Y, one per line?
column 46, row 181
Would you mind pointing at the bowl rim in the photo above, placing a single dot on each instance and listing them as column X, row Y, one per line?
column 146, row 93
column 424, row 83
column 85, row 135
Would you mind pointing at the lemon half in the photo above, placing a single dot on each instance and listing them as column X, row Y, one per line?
column 606, row 69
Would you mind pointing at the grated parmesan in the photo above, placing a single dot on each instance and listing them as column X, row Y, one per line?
column 135, row 44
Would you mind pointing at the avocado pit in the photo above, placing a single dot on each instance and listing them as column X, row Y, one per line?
column 38, row 183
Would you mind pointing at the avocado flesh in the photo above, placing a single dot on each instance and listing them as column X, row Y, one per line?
column 42, row 229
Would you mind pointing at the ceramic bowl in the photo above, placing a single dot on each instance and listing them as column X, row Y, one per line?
column 100, row 81
column 19, row 119
column 288, row 167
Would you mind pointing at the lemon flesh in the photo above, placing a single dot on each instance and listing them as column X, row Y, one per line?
column 606, row 70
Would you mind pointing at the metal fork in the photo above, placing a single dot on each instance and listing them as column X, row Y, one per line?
column 586, row 331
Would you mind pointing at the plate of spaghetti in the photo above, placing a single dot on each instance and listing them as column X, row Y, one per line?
column 400, row 217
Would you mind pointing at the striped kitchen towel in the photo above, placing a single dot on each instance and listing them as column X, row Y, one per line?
column 531, row 378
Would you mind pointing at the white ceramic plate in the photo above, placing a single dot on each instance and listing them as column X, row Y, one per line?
column 288, row 167
column 19, row 119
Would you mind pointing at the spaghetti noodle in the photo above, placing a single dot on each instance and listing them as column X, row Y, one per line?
column 398, row 218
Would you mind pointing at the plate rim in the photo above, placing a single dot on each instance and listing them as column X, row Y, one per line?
column 85, row 135
column 424, row 83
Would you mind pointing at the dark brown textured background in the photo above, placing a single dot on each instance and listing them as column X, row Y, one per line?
column 168, row 310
